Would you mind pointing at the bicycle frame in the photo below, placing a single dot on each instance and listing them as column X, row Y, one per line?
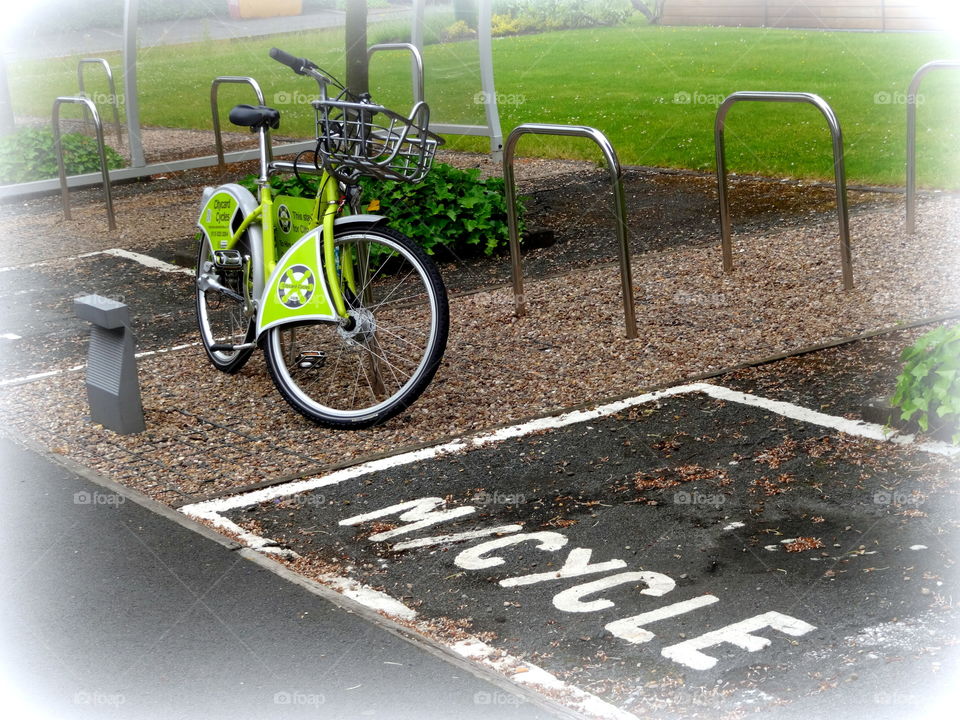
column 304, row 283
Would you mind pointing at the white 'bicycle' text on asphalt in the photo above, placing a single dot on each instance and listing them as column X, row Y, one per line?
column 585, row 597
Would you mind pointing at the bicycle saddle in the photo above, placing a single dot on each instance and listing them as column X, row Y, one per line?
column 255, row 116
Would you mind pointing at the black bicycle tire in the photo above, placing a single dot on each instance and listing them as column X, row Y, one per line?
column 430, row 363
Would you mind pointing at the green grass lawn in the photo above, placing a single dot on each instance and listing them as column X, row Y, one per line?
column 654, row 92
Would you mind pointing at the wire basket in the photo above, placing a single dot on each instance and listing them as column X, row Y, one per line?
column 360, row 138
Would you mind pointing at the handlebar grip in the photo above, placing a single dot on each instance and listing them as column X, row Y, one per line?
column 294, row 63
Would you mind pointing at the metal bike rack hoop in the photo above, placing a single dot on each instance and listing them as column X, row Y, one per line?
column 215, row 111
column 839, row 169
column 61, row 169
column 114, row 98
column 912, row 92
column 616, row 175
column 417, row 60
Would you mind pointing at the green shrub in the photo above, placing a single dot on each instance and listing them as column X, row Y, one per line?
column 501, row 25
column 928, row 389
column 458, row 31
column 27, row 155
column 452, row 211
column 539, row 15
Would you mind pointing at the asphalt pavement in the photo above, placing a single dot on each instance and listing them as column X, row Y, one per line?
column 111, row 608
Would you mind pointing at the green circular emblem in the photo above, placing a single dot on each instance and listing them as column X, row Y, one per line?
column 296, row 286
column 283, row 218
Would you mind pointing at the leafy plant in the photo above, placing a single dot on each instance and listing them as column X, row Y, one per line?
column 929, row 386
column 28, row 155
column 284, row 185
column 458, row 31
column 452, row 211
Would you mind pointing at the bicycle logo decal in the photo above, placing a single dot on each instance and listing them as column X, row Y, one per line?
column 296, row 286
column 283, row 218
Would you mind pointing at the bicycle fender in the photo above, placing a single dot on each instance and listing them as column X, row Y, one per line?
column 358, row 222
column 297, row 289
column 224, row 208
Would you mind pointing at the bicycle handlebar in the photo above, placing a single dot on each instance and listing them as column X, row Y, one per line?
column 299, row 65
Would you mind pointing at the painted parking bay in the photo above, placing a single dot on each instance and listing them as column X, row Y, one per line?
column 691, row 546
column 39, row 332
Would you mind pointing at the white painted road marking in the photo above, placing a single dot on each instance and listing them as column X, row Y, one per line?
column 689, row 652
column 77, row 368
column 145, row 260
column 571, row 599
column 631, row 628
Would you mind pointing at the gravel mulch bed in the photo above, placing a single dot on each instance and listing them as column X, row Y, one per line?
column 209, row 433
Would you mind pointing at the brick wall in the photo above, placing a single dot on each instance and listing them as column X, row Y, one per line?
column 826, row 14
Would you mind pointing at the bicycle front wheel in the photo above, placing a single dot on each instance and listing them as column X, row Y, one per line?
column 362, row 372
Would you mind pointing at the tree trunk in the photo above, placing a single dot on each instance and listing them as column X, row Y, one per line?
column 652, row 14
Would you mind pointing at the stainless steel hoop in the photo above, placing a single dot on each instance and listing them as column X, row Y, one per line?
column 839, row 170
column 620, row 211
column 912, row 92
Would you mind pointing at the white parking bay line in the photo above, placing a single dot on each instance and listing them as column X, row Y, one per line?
column 25, row 379
column 211, row 508
column 145, row 260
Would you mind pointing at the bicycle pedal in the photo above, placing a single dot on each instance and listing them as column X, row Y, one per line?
column 228, row 259
column 310, row 359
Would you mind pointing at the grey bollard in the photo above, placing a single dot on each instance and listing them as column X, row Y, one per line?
column 113, row 388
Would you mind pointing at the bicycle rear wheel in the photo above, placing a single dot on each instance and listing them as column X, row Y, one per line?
column 359, row 374
column 220, row 318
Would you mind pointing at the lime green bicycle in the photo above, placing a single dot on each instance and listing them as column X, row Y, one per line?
column 353, row 317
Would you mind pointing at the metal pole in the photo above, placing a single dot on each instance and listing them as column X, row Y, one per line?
column 416, row 28
column 61, row 168
column 839, row 170
column 6, row 105
column 131, row 101
column 416, row 58
column 912, row 92
column 215, row 111
column 487, row 85
column 616, row 176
